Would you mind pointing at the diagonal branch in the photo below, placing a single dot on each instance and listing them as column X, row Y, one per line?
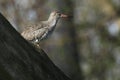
column 20, row 59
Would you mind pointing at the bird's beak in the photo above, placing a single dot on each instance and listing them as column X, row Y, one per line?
column 63, row 16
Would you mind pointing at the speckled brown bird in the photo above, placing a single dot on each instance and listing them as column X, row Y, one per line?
column 36, row 33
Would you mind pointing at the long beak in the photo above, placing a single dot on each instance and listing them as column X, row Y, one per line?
column 64, row 16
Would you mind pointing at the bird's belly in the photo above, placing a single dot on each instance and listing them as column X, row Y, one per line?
column 46, row 35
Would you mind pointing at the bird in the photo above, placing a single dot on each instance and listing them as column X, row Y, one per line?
column 37, row 32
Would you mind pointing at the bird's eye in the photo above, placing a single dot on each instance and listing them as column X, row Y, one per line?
column 59, row 14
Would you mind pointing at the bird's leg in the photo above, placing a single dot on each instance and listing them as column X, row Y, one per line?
column 36, row 40
column 38, row 45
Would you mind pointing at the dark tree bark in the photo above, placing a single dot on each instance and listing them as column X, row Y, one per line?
column 21, row 61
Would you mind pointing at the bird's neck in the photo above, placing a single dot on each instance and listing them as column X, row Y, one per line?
column 52, row 22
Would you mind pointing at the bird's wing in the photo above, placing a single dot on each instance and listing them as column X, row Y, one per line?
column 28, row 34
column 32, row 31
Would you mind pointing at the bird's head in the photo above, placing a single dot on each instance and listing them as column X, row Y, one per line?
column 57, row 15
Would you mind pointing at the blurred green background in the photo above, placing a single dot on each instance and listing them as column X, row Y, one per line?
column 85, row 46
